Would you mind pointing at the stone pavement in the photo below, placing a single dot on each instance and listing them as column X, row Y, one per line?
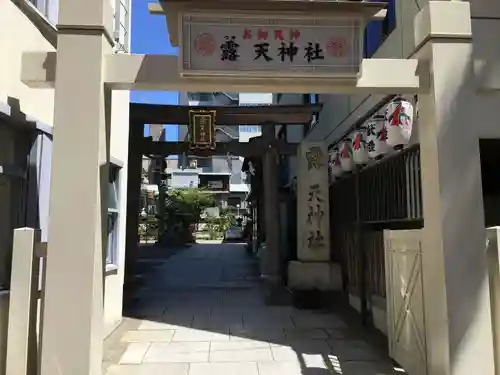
column 202, row 312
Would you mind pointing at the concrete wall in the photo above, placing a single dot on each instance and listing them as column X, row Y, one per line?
column 17, row 35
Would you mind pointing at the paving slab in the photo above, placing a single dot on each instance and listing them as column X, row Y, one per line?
column 224, row 369
column 150, row 369
column 194, row 335
column 241, row 355
column 135, row 352
column 149, row 336
column 185, row 352
column 203, row 312
column 354, row 350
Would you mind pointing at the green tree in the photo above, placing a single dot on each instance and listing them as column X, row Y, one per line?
column 184, row 206
column 217, row 226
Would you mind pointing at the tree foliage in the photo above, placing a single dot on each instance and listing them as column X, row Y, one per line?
column 186, row 205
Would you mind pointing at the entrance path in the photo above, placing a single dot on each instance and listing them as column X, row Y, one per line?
column 202, row 312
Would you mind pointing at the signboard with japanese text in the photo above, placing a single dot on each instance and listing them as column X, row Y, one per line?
column 202, row 129
column 283, row 47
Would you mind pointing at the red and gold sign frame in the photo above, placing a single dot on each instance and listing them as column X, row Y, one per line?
column 201, row 129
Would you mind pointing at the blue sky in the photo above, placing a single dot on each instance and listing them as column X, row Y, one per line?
column 149, row 35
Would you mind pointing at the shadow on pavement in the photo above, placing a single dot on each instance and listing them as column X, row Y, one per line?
column 204, row 307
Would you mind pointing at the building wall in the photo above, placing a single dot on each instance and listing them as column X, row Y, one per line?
column 17, row 35
column 113, row 292
column 341, row 111
column 115, row 273
column 22, row 32
column 247, row 132
column 183, row 179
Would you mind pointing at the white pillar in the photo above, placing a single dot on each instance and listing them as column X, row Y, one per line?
column 72, row 336
column 455, row 275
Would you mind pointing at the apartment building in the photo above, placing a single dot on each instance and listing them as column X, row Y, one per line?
column 26, row 134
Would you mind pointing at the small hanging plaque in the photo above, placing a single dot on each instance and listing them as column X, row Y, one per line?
column 202, row 129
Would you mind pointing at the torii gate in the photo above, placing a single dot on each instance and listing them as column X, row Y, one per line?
column 264, row 147
column 84, row 71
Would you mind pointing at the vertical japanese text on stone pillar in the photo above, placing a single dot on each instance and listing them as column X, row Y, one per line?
column 315, row 239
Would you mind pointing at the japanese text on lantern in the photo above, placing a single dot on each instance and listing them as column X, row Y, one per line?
column 315, row 216
column 276, row 44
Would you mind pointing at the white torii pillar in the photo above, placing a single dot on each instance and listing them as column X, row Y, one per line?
column 455, row 274
column 72, row 338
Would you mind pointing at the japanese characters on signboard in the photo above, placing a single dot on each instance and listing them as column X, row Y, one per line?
column 201, row 129
column 316, row 201
column 303, row 47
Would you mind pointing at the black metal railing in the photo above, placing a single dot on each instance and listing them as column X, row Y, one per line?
column 389, row 191
column 384, row 195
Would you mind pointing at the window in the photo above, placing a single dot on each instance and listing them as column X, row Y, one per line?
column 377, row 31
column 249, row 128
column 121, row 25
column 200, row 96
column 49, row 8
column 113, row 215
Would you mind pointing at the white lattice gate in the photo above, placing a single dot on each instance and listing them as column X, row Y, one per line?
column 405, row 309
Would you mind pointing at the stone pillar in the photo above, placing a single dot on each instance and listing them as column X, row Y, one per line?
column 136, row 135
column 455, row 274
column 313, row 270
column 72, row 337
